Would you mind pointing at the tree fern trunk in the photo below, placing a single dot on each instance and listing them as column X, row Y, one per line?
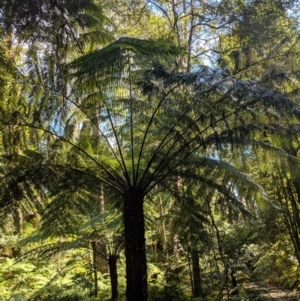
column 112, row 262
column 135, row 246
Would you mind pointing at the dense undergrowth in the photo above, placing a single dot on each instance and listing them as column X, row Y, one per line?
column 69, row 277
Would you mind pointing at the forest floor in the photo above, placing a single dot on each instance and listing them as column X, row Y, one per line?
column 265, row 292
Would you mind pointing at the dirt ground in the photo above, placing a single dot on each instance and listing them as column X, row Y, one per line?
column 265, row 292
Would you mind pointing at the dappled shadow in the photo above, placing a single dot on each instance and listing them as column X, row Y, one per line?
column 263, row 292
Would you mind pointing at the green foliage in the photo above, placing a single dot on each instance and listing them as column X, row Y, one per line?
column 166, row 293
column 213, row 156
column 56, row 22
column 17, row 297
column 53, row 293
column 108, row 63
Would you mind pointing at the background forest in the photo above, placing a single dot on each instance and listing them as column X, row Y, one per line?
column 149, row 149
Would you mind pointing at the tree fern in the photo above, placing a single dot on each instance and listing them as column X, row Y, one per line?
column 149, row 124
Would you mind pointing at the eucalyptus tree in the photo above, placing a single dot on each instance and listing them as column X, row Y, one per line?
column 192, row 25
column 200, row 26
column 262, row 43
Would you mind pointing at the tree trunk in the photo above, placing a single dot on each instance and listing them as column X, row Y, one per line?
column 197, row 285
column 135, row 245
column 94, row 246
column 163, row 226
column 18, row 223
column 112, row 263
column 102, row 260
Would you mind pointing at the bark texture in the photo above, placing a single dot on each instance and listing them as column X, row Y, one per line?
column 135, row 245
column 112, row 263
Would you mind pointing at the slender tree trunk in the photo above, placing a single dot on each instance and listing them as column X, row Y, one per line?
column 197, row 284
column 95, row 268
column 18, row 223
column 190, row 268
column 102, row 260
column 163, row 226
column 112, row 263
column 135, row 245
